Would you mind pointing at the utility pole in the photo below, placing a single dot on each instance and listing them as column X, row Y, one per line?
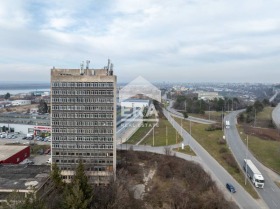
column 181, row 127
column 255, row 118
column 223, row 120
column 190, row 132
column 209, row 111
column 166, row 137
column 154, row 136
column 246, row 160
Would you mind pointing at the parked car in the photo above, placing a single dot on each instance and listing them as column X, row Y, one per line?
column 40, row 152
column 230, row 188
column 49, row 161
column 47, row 151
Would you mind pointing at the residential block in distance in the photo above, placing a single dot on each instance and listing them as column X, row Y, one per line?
column 83, row 120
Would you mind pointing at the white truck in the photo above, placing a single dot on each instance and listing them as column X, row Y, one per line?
column 253, row 173
column 227, row 124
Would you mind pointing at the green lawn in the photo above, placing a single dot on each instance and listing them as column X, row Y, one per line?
column 187, row 150
column 214, row 115
column 210, row 141
column 266, row 151
column 265, row 114
column 164, row 134
column 140, row 133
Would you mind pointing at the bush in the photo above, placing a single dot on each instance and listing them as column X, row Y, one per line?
column 222, row 141
column 214, row 127
column 231, row 161
column 223, row 150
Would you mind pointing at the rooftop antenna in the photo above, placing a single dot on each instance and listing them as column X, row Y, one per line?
column 87, row 66
column 111, row 69
column 108, row 67
column 82, row 68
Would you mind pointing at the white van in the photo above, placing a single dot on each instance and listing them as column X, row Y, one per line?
column 49, row 161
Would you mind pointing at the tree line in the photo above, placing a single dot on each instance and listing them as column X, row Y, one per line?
column 191, row 104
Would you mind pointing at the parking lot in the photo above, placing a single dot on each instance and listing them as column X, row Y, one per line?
column 19, row 140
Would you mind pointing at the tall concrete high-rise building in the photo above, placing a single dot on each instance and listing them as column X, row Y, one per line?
column 83, row 119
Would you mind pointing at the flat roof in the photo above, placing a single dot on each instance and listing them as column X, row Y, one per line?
column 137, row 100
column 7, row 151
column 23, row 177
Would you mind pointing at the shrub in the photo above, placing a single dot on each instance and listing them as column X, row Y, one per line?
column 223, row 150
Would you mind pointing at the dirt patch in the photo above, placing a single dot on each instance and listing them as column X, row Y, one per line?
column 262, row 133
column 18, row 109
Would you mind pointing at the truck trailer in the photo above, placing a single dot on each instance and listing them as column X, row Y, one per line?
column 253, row 173
column 227, row 124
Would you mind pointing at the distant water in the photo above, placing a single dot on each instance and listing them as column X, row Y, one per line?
column 15, row 88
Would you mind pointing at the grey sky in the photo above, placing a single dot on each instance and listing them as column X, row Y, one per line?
column 175, row 40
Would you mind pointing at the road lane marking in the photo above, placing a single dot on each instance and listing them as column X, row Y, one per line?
column 272, row 189
column 274, row 203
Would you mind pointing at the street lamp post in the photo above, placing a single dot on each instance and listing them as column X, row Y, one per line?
column 246, row 160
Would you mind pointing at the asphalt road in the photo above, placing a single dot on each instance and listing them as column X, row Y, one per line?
column 270, row 193
column 190, row 118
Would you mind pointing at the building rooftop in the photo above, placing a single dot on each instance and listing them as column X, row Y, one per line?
column 23, row 177
column 7, row 151
column 137, row 100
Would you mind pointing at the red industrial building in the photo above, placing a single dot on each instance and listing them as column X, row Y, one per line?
column 10, row 154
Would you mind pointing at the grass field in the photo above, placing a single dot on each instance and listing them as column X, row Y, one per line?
column 265, row 114
column 140, row 133
column 266, row 151
column 164, row 134
column 214, row 115
column 211, row 141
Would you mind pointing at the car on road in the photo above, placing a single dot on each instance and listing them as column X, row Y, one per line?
column 230, row 188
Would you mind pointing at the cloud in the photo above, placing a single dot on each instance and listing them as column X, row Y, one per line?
column 152, row 38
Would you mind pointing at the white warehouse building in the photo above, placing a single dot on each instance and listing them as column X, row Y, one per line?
column 135, row 103
column 21, row 102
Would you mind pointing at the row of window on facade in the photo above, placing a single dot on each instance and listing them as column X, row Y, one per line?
column 82, row 131
column 87, row 161
column 82, row 123
column 82, row 146
column 82, row 92
column 102, row 100
column 82, row 107
column 82, row 115
column 94, row 168
column 95, row 154
column 83, row 84
column 83, row 138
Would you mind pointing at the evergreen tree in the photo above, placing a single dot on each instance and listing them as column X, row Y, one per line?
column 81, row 178
column 78, row 194
column 56, row 176
column 7, row 96
column 75, row 197
column 42, row 107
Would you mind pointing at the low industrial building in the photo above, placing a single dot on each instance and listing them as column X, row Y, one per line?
column 135, row 103
column 205, row 95
column 10, row 154
column 23, row 179
column 21, row 102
